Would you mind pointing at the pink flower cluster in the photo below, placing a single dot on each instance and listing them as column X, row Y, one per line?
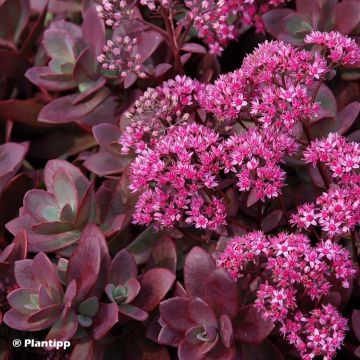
column 342, row 49
column 211, row 19
column 291, row 270
column 255, row 156
column 336, row 211
column 319, row 334
column 156, row 110
column 342, row 157
column 115, row 11
column 226, row 97
column 120, row 56
column 153, row 4
column 217, row 21
column 270, row 88
column 179, row 177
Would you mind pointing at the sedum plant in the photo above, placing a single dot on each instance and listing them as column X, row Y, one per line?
column 180, row 179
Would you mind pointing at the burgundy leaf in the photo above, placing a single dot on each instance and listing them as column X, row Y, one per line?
column 347, row 16
column 18, row 321
column 64, row 328
column 62, row 110
column 105, row 319
column 132, row 312
column 198, row 266
column 201, row 313
column 93, row 30
column 155, row 284
column 221, row 293
column 271, row 221
column 82, row 270
column 226, row 330
column 250, row 327
column 169, row 336
column 163, row 254
column 355, row 323
column 123, row 268
column 347, row 116
column 175, row 313
column 194, row 48
column 105, row 163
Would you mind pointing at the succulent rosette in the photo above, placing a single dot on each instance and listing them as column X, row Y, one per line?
column 55, row 217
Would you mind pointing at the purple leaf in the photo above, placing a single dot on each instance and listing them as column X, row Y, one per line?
column 24, row 112
column 161, row 69
column 221, row 293
column 163, row 254
column 271, row 221
column 105, row 319
column 327, row 102
column 18, row 321
column 21, row 299
column 250, row 327
column 194, row 48
column 226, row 330
column 147, row 43
column 143, row 243
column 93, row 30
column 52, row 166
column 64, row 328
column 61, row 83
column 87, row 209
column 347, row 116
column 23, row 274
column 132, row 312
column 105, row 163
column 14, row 15
column 273, row 20
column 60, row 45
column 347, row 16
column 47, row 276
column 11, row 157
column 82, row 270
column 201, row 313
column 355, row 323
column 106, row 134
column 155, row 284
column 62, row 110
column 175, row 313
column 198, row 265
column 123, row 268
column 85, row 68
column 169, row 336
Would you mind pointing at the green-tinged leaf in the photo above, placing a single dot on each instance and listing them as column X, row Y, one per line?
column 142, row 245
column 62, row 110
column 89, row 307
column 60, row 45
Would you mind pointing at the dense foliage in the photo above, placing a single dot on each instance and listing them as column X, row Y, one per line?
column 180, row 179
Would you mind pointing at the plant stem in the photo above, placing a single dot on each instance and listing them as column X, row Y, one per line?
column 169, row 25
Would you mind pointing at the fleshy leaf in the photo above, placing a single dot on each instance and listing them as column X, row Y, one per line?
column 198, row 266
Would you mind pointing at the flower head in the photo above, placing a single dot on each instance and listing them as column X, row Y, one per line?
column 341, row 49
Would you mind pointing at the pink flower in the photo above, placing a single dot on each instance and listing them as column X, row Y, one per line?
column 342, row 50
column 290, row 268
column 115, row 11
column 156, row 110
column 177, row 177
column 120, row 56
column 340, row 156
column 255, row 157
